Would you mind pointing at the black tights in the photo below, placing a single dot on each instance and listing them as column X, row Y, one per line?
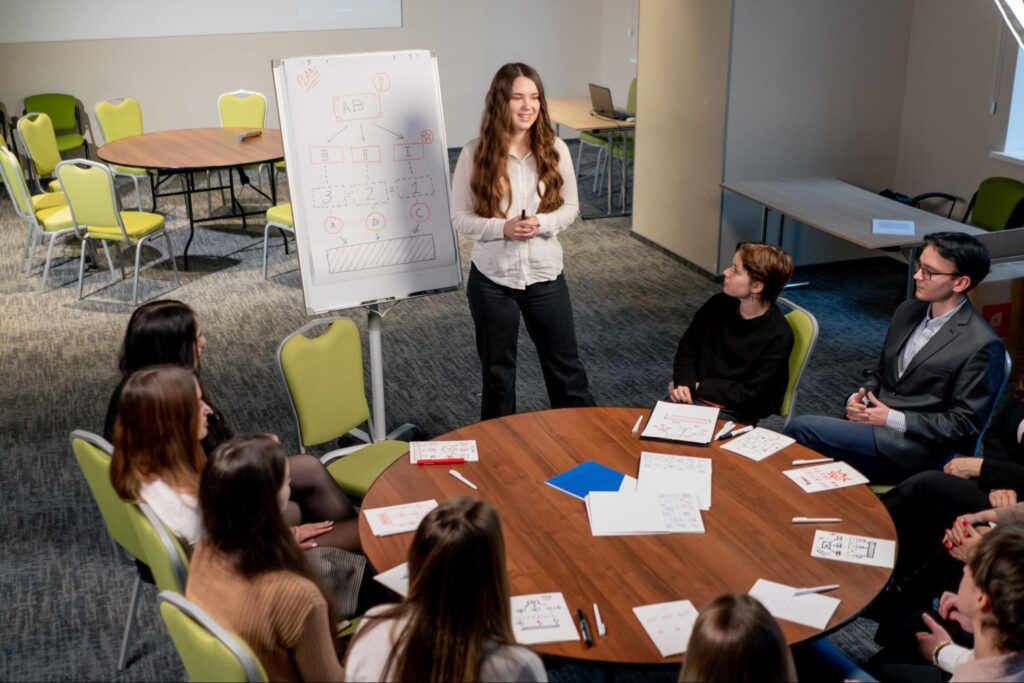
column 317, row 498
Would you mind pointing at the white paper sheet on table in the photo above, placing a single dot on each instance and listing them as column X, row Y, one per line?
column 542, row 618
column 814, row 609
column 398, row 519
column 681, row 422
column 669, row 624
column 396, row 578
column 443, row 450
column 826, row 477
column 663, row 473
column 875, row 552
column 758, row 444
column 628, row 514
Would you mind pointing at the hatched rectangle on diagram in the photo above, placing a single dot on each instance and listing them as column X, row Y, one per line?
column 393, row 252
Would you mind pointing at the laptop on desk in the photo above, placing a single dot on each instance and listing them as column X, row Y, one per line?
column 601, row 101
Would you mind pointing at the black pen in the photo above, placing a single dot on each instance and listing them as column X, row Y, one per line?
column 588, row 639
column 523, row 217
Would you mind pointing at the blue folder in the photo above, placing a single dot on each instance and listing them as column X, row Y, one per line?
column 586, row 477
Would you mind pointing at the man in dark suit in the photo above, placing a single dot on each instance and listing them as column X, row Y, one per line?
column 936, row 380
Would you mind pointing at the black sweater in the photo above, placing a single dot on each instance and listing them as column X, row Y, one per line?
column 1002, row 465
column 740, row 364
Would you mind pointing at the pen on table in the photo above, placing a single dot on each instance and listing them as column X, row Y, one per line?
column 637, row 425
column 601, row 630
column 816, row 589
column 813, row 461
column 815, row 520
column 242, row 137
column 588, row 639
column 741, row 430
column 727, row 427
column 441, row 461
column 461, row 478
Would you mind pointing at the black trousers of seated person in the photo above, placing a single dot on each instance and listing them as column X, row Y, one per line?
column 547, row 311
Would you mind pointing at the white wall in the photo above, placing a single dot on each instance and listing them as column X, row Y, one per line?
column 816, row 88
column 177, row 80
column 947, row 127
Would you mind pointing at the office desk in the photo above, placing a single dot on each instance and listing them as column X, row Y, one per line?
column 198, row 149
column 844, row 211
column 749, row 534
column 576, row 113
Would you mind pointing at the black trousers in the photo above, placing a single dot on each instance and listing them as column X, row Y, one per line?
column 547, row 311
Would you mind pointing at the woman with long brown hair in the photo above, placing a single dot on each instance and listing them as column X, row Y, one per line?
column 249, row 574
column 455, row 624
column 513, row 192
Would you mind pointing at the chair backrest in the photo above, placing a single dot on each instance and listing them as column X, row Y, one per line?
column 89, row 188
column 39, row 142
column 1007, row 370
column 995, row 204
column 324, row 379
column 119, row 118
column 17, row 188
column 242, row 109
column 208, row 650
column 93, row 455
column 631, row 97
column 164, row 554
column 62, row 109
column 805, row 336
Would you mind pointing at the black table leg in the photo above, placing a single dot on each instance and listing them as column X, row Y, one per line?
column 189, row 189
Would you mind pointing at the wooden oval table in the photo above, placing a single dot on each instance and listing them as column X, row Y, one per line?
column 749, row 530
column 189, row 150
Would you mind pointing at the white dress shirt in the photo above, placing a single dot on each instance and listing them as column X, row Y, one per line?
column 177, row 510
column 516, row 263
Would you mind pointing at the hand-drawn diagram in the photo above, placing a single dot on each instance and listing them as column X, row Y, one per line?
column 681, row 512
column 675, row 463
column 678, row 428
column 542, row 618
column 758, row 444
column 371, row 177
column 826, row 477
column 536, row 614
column 830, row 545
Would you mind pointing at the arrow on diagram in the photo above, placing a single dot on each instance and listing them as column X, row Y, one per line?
column 397, row 136
column 361, row 133
column 331, row 139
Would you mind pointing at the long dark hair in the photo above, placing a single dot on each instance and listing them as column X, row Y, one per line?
column 160, row 332
column 458, row 596
column 490, row 182
column 155, row 436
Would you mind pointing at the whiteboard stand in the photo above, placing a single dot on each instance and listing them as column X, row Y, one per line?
column 378, row 421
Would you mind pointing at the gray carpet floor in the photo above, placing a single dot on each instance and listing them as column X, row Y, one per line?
column 65, row 592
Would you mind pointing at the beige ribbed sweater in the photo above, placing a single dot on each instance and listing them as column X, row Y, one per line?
column 280, row 615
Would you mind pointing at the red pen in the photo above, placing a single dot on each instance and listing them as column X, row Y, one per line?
column 709, row 403
column 442, row 461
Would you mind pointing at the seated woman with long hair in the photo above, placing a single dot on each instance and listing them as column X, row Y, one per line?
column 735, row 639
column 248, row 572
column 455, row 624
column 169, row 332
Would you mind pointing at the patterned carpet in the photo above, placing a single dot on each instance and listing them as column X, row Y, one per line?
column 66, row 592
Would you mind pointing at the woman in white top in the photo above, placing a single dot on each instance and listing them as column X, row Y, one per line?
column 455, row 624
column 513, row 191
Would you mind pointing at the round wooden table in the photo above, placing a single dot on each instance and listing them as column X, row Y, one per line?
column 749, row 532
column 198, row 149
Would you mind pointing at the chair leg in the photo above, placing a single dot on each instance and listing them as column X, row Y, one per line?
column 81, row 268
column 46, row 266
column 110, row 261
column 120, row 258
column 29, row 239
column 33, row 236
column 579, row 158
column 135, row 280
column 266, row 239
column 170, row 255
column 133, row 608
column 598, row 171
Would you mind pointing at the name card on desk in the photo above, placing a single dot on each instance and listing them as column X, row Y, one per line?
column 880, row 226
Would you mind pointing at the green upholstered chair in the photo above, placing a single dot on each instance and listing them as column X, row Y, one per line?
column 622, row 150
column 208, row 651
column 324, row 379
column 805, row 336
column 998, row 204
column 122, row 118
column 46, row 214
column 164, row 553
column 38, row 143
column 63, row 112
column 279, row 217
column 89, row 188
column 243, row 109
column 93, row 455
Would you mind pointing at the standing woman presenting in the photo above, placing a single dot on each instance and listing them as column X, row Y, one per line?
column 513, row 191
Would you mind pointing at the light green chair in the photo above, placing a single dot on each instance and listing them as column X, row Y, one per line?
column 243, row 109
column 998, row 204
column 122, row 118
column 89, row 188
column 208, row 651
column 46, row 214
column 164, row 553
column 600, row 139
column 38, row 143
column 93, row 455
column 805, row 335
column 279, row 217
column 324, row 379
column 63, row 112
